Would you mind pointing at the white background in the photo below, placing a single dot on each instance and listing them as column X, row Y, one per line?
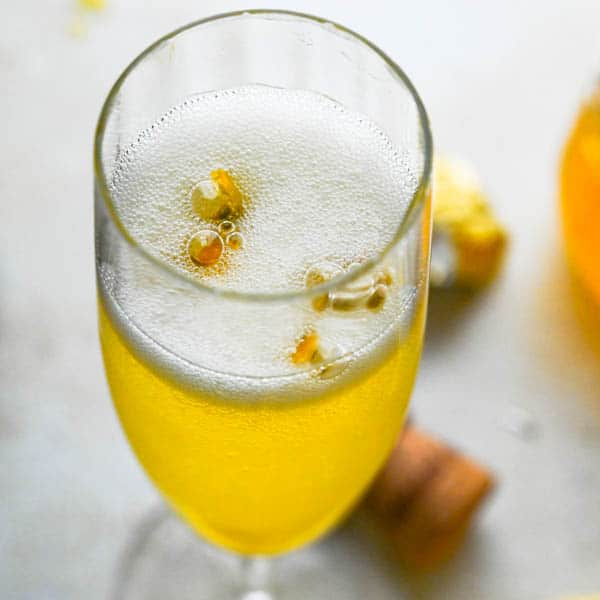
column 507, row 376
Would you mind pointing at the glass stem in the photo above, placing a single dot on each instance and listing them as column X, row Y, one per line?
column 254, row 578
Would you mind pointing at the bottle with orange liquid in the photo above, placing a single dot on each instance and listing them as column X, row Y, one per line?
column 580, row 197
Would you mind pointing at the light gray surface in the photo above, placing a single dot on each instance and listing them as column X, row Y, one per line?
column 509, row 377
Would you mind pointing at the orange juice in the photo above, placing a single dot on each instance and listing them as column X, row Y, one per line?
column 580, row 196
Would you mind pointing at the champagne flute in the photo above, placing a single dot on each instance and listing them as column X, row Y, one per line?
column 262, row 215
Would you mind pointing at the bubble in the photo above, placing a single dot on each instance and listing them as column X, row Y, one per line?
column 306, row 348
column 377, row 297
column 345, row 301
column 226, row 227
column 321, row 302
column 235, row 240
column 217, row 197
column 384, row 277
column 205, row 247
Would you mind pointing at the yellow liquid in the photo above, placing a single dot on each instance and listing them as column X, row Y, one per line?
column 260, row 478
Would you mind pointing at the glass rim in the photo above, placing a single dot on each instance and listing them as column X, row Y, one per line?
column 416, row 202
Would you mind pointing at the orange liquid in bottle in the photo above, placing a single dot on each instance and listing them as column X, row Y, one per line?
column 580, row 196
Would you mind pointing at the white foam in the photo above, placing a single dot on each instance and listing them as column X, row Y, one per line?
column 324, row 183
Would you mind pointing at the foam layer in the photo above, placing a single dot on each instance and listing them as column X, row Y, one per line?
column 323, row 183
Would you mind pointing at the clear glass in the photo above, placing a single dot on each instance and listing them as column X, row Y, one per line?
column 256, row 462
